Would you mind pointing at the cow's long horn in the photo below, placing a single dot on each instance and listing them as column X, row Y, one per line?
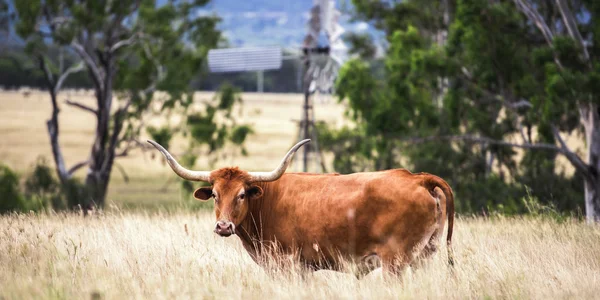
column 275, row 174
column 178, row 169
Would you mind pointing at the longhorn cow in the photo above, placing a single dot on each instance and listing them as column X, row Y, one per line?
column 326, row 218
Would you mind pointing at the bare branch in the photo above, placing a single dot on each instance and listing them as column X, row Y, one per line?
column 123, row 153
column 142, row 145
column 519, row 104
column 481, row 140
column 521, row 131
column 537, row 19
column 159, row 69
column 63, row 76
column 571, row 25
column 61, row 61
column 82, row 106
column 118, row 120
column 132, row 39
column 534, row 16
column 122, row 171
column 47, row 72
column 77, row 166
column 54, row 21
column 522, row 103
column 579, row 164
column 133, row 144
column 52, row 124
column 53, row 132
column 570, row 155
column 58, row 20
column 495, row 96
column 125, row 107
column 89, row 61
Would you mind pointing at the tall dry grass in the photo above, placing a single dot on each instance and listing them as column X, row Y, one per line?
column 176, row 255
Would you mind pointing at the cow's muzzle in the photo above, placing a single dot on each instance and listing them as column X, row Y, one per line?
column 224, row 228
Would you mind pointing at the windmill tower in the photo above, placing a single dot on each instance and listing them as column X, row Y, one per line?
column 324, row 53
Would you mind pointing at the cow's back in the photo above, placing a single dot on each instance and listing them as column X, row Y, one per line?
column 327, row 215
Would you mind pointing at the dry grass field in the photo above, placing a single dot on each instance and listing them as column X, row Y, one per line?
column 173, row 253
column 176, row 255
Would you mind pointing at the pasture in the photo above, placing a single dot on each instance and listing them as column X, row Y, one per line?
column 147, row 244
column 123, row 255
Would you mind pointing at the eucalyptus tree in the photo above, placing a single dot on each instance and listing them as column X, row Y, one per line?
column 130, row 49
column 489, row 77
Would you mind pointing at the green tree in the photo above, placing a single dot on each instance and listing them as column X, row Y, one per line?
column 217, row 140
column 129, row 49
column 361, row 45
column 11, row 198
column 488, row 77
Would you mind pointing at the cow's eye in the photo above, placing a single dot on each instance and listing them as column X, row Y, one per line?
column 242, row 196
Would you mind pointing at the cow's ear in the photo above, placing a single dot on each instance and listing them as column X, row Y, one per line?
column 203, row 193
column 254, row 192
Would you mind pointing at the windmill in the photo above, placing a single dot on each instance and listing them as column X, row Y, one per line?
column 324, row 52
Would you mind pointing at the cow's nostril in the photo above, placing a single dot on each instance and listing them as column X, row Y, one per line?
column 225, row 228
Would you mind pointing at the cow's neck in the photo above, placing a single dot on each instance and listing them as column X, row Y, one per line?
column 251, row 231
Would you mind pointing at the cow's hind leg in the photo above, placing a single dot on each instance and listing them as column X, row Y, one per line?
column 434, row 241
column 395, row 256
column 429, row 250
column 400, row 252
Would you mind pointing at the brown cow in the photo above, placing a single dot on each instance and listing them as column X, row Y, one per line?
column 324, row 218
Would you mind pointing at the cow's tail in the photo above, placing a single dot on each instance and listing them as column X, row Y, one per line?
column 431, row 182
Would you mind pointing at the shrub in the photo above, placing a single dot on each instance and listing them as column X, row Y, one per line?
column 11, row 198
column 41, row 187
column 45, row 190
column 40, row 190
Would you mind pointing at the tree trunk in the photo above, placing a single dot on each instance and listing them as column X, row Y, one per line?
column 592, row 201
column 96, row 180
column 53, row 132
column 102, row 155
column 98, row 174
column 590, row 119
column 96, row 183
